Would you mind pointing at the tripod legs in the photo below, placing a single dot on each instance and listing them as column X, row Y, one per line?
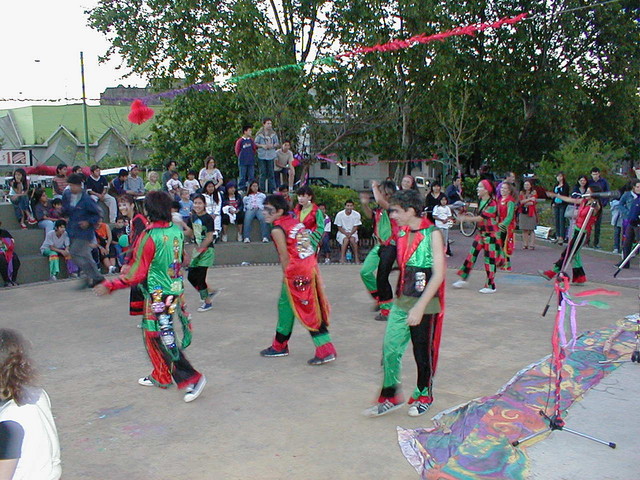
column 557, row 423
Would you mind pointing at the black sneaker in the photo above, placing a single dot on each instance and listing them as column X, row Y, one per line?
column 321, row 361
column 381, row 317
column 418, row 408
column 272, row 352
column 382, row 408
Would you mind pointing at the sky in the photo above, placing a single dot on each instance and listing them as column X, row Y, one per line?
column 40, row 55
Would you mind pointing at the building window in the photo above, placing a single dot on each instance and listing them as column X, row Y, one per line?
column 325, row 166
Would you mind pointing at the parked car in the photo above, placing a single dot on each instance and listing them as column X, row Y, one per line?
column 319, row 182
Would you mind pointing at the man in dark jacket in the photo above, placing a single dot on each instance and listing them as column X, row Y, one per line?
column 83, row 214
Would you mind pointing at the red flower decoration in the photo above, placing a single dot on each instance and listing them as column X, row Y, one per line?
column 140, row 113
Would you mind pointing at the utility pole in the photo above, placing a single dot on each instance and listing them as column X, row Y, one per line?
column 84, row 113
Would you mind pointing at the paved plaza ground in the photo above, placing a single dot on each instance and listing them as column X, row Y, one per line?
column 281, row 419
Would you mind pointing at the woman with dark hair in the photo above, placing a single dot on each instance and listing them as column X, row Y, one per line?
column 232, row 208
column 309, row 214
column 157, row 261
column 200, row 226
column 528, row 217
column 302, row 295
column 19, row 197
column 253, row 208
column 559, row 207
column 213, row 202
column 135, row 223
column 507, row 207
column 41, row 209
column 584, row 205
column 29, row 447
column 210, row 173
column 433, row 199
column 60, row 180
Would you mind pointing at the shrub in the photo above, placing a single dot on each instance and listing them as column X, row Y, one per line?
column 334, row 199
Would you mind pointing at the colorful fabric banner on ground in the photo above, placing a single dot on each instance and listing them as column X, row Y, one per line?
column 473, row 440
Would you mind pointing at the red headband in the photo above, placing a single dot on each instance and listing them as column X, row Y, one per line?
column 488, row 186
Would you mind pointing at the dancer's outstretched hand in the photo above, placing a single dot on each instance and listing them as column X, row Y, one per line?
column 100, row 290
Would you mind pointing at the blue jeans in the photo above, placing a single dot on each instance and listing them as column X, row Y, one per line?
column 249, row 215
column 265, row 171
column 561, row 225
column 46, row 225
column 246, row 174
column 20, row 206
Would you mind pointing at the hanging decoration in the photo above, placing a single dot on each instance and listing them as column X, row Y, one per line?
column 140, row 113
column 333, row 59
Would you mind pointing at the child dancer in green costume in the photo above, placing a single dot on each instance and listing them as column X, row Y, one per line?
column 201, row 227
column 418, row 311
column 379, row 262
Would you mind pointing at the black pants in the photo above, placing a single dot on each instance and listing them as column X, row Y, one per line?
column 630, row 238
column 4, row 268
column 387, row 255
column 198, row 277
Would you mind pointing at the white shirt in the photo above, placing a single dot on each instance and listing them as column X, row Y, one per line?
column 441, row 214
column 40, row 456
column 348, row 222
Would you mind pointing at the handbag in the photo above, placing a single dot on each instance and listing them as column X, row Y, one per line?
column 570, row 212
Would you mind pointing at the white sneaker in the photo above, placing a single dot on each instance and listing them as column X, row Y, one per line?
column 239, row 237
column 146, row 382
column 418, row 408
column 327, row 260
column 459, row 284
column 112, row 269
column 265, row 240
column 194, row 391
column 487, row 290
column 246, row 240
column 53, row 278
column 224, row 237
column 615, row 250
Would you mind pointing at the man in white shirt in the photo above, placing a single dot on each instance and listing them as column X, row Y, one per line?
column 284, row 165
column 347, row 221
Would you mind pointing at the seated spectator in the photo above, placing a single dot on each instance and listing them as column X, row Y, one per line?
column 103, row 239
column 284, row 171
column 174, row 185
column 9, row 261
column 232, row 210
column 55, row 212
column 41, row 211
column 325, row 247
column 56, row 243
column 213, row 204
column 19, row 197
column 118, row 183
column 176, row 217
column 347, row 221
column 254, row 208
column 28, row 437
column 211, row 173
column 118, row 231
column 96, row 186
column 134, row 185
column 186, row 205
column 192, row 184
column 60, row 180
column 172, row 166
column 153, row 184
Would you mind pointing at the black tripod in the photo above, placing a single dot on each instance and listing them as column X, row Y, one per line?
column 561, row 285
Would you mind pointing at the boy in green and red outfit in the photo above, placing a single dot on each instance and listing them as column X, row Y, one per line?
column 156, row 263
column 302, row 294
column 379, row 262
column 418, row 311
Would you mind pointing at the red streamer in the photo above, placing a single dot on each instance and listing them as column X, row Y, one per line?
column 422, row 38
column 328, row 158
column 596, row 291
column 140, row 113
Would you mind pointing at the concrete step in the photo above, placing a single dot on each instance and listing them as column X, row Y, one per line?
column 28, row 240
column 8, row 217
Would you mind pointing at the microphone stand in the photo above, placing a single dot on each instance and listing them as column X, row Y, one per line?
column 561, row 285
column 627, row 259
